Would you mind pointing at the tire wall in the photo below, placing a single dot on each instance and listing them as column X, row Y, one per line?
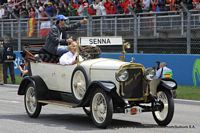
column 186, row 68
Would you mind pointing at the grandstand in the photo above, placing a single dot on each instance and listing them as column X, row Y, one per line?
column 174, row 28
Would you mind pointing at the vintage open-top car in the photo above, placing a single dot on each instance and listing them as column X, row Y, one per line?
column 101, row 86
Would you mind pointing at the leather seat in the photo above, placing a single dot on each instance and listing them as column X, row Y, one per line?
column 47, row 57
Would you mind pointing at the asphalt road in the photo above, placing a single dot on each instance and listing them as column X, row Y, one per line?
column 56, row 119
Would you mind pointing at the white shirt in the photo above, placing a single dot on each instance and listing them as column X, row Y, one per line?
column 100, row 9
column 159, row 72
column 80, row 10
column 2, row 11
column 146, row 4
column 68, row 58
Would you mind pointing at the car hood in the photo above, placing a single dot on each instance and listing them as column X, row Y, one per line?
column 103, row 63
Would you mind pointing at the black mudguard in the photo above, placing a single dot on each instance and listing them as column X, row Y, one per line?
column 107, row 86
column 37, row 81
column 166, row 86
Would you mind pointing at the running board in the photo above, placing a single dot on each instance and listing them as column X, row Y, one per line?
column 59, row 103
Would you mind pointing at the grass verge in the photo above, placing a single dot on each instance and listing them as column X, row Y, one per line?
column 18, row 80
column 188, row 92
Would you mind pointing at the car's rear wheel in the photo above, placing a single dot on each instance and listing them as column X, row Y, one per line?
column 101, row 108
column 79, row 83
column 32, row 106
column 164, row 116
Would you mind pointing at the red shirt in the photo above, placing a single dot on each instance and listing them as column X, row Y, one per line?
column 107, row 5
column 74, row 5
column 91, row 11
column 112, row 10
column 124, row 5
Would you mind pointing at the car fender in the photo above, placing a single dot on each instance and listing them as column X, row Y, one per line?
column 167, row 83
column 37, row 81
column 107, row 86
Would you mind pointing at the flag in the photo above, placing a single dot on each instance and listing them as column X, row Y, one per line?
column 44, row 28
column 31, row 26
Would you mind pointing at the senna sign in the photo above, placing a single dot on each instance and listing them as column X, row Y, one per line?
column 100, row 41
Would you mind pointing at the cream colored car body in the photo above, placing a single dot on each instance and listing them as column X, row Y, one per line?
column 58, row 77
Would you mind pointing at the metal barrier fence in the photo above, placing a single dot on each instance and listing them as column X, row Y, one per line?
column 166, row 32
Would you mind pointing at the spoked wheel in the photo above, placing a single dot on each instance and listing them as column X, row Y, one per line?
column 79, row 83
column 101, row 108
column 165, row 114
column 87, row 111
column 33, row 108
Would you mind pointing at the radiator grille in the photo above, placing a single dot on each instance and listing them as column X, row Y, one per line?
column 133, row 87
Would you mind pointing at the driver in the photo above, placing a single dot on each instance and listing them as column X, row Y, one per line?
column 57, row 36
column 164, row 71
column 70, row 58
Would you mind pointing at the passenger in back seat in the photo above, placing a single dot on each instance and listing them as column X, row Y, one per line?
column 70, row 57
column 55, row 42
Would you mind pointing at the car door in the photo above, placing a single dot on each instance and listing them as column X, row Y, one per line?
column 63, row 77
column 48, row 72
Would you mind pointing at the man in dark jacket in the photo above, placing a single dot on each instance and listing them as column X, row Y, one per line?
column 8, row 61
column 55, row 40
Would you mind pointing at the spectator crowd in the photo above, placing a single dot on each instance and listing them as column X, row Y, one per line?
column 51, row 8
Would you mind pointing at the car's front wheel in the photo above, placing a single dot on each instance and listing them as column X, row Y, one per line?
column 101, row 108
column 32, row 106
column 164, row 116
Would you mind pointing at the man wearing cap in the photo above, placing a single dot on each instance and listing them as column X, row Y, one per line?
column 164, row 71
column 55, row 43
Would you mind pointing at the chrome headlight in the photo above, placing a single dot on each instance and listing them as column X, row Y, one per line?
column 122, row 75
column 150, row 73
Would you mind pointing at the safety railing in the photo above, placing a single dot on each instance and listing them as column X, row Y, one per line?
column 148, row 25
column 108, row 25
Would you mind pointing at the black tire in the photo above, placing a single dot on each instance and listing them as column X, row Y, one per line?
column 101, row 100
column 32, row 106
column 87, row 111
column 164, row 117
column 79, row 83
